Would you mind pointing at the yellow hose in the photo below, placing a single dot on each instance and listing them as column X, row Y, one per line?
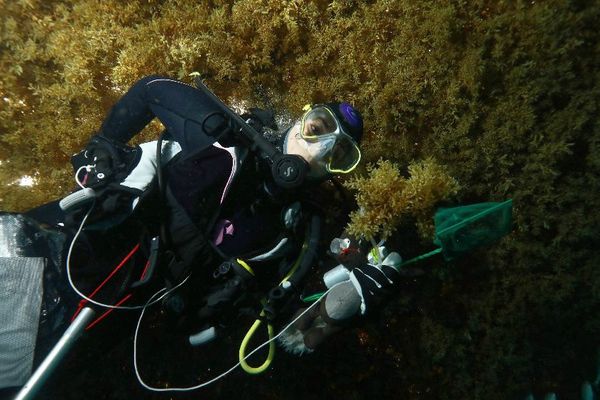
column 271, row 332
column 242, row 353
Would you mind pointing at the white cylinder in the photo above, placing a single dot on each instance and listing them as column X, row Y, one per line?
column 77, row 198
column 336, row 275
column 202, row 337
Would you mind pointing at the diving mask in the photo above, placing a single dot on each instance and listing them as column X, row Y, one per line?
column 325, row 135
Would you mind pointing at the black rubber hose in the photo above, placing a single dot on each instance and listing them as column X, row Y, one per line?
column 162, row 198
column 311, row 252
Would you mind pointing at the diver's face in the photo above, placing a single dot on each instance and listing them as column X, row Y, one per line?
column 295, row 144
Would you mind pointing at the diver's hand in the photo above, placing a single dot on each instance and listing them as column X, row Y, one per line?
column 102, row 153
column 101, row 160
column 372, row 282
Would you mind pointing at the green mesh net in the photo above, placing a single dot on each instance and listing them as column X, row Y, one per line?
column 461, row 229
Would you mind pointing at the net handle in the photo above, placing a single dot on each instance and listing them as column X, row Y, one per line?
column 421, row 257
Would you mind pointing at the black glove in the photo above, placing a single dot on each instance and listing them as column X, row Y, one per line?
column 373, row 282
column 107, row 161
column 118, row 174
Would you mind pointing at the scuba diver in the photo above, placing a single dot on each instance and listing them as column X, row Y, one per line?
column 225, row 209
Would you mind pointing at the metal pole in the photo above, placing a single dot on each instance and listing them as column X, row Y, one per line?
column 45, row 369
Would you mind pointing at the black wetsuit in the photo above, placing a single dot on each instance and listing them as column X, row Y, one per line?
column 222, row 202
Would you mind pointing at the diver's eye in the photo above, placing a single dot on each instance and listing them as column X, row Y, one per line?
column 316, row 127
column 312, row 129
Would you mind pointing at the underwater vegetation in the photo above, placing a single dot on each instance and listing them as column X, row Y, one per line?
column 385, row 197
column 503, row 94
